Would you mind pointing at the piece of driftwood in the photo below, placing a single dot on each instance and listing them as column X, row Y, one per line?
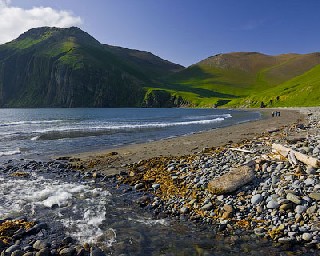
column 241, row 150
column 294, row 156
column 231, row 181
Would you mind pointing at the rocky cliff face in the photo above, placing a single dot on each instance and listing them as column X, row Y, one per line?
column 51, row 67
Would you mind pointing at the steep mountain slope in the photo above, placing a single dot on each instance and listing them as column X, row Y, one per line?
column 228, row 79
column 54, row 67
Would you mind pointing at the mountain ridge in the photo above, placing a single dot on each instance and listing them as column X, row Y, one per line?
column 67, row 67
column 53, row 67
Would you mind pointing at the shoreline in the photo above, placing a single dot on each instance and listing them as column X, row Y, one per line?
column 112, row 161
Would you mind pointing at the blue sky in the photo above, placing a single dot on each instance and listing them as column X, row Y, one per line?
column 183, row 31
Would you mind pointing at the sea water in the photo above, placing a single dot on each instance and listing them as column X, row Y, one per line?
column 43, row 133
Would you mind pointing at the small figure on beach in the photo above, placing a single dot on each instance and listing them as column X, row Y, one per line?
column 275, row 113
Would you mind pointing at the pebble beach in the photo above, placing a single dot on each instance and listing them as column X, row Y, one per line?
column 277, row 199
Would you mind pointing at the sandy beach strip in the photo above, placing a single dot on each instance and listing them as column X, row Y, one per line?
column 111, row 161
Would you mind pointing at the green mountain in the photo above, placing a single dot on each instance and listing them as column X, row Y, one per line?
column 250, row 79
column 54, row 67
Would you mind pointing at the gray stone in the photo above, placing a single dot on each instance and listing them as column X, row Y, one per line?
column 307, row 236
column 207, row 207
column 293, row 198
column 309, row 182
column 256, row 199
column 300, row 209
column 39, row 244
column 139, row 186
column 156, row 186
column 28, row 254
column 12, row 248
column 310, row 170
column 285, row 240
column 272, row 204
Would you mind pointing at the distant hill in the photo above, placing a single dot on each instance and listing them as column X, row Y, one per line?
column 251, row 79
column 54, row 67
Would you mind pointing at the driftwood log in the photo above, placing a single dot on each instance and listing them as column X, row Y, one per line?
column 231, row 181
column 294, row 156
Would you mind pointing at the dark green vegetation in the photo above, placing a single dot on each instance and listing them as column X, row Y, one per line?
column 53, row 67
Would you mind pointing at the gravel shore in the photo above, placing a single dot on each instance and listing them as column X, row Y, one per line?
column 280, row 201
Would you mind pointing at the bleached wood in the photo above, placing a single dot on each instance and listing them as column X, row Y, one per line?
column 294, row 155
column 241, row 150
column 231, row 181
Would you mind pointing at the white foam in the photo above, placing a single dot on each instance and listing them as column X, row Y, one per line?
column 35, row 138
column 10, row 152
column 150, row 222
column 123, row 126
column 15, row 123
column 81, row 208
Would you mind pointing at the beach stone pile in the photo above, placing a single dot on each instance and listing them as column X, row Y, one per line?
column 279, row 200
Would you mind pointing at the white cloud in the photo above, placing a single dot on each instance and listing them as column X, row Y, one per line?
column 14, row 20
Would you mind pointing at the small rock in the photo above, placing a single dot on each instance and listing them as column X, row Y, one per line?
column 285, row 240
column 67, row 251
column 285, row 207
column 39, row 244
column 207, row 207
column 307, row 236
column 300, row 209
column 184, row 210
column 315, row 196
column 12, row 248
column 28, row 254
column 155, row 186
column 293, row 198
column 228, row 208
column 139, row 186
column 309, row 182
column 312, row 209
column 43, row 252
column 272, row 204
column 310, row 170
column 256, row 199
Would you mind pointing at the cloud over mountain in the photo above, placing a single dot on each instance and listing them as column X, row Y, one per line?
column 15, row 20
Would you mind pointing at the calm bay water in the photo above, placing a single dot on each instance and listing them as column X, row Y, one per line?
column 42, row 133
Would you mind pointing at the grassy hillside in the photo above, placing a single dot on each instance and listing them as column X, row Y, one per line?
column 237, row 79
column 54, row 67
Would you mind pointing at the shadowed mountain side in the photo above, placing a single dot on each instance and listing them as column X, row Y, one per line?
column 54, row 67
